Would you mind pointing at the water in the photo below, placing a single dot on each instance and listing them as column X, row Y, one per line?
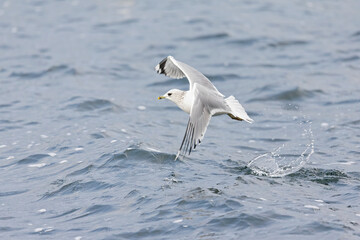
column 87, row 150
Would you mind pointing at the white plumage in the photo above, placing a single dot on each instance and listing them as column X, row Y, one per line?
column 202, row 101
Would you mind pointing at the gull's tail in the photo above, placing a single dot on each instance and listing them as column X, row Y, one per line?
column 237, row 111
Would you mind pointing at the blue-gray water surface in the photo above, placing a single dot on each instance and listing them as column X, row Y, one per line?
column 87, row 151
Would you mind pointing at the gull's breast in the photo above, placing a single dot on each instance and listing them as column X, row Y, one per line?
column 186, row 102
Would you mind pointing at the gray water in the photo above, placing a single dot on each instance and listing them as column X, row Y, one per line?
column 87, row 151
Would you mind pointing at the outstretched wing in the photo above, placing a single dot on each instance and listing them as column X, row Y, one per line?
column 175, row 69
column 206, row 104
column 196, row 128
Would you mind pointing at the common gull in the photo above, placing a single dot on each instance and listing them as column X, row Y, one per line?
column 201, row 101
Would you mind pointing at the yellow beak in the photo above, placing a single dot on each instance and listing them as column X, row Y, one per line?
column 161, row 97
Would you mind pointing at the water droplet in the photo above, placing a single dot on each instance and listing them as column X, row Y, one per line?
column 52, row 154
column 141, row 108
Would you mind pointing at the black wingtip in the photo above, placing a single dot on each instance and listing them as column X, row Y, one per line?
column 160, row 68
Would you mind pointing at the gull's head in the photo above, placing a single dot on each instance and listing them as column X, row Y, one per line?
column 174, row 95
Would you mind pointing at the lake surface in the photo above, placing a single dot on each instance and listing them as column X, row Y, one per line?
column 87, row 151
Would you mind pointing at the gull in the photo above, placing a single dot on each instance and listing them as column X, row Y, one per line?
column 201, row 101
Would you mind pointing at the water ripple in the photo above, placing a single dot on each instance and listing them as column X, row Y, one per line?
column 78, row 186
column 287, row 43
column 32, row 158
column 356, row 34
column 137, row 153
column 95, row 104
column 290, row 95
column 83, row 171
column 244, row 42
column 6, row 105
column 96, row 209
column 239, row 222
column 114, row 24
column 9, row 229
column 12, row 193
column 321, row 176
column 343, row 102
column 317, row 227
column 54, row 69
column 66, row 213
column 207, row 37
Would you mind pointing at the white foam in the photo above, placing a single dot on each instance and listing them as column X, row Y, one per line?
column 38, row 230
column 113, row 141
column 324, row 125
column 43, row 230
column 2, row 146
column 342, row 163
column 319, row 201
column 78, row 238
column 38, row 165
column 79, row 149
column 43, row 136
column 63, row 161
column 178, row 221
column 141, row 108
column 312, row 207
column 49, row 229
column 43, row 210
column 153, row 149
column 10, row 157
column 52, row 154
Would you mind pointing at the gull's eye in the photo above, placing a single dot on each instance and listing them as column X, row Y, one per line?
column 169, row 94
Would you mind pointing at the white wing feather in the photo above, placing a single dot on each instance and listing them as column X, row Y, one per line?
column 176, row 69
column 206, row 104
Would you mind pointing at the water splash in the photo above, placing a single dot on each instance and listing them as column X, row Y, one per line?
column 280, row 164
